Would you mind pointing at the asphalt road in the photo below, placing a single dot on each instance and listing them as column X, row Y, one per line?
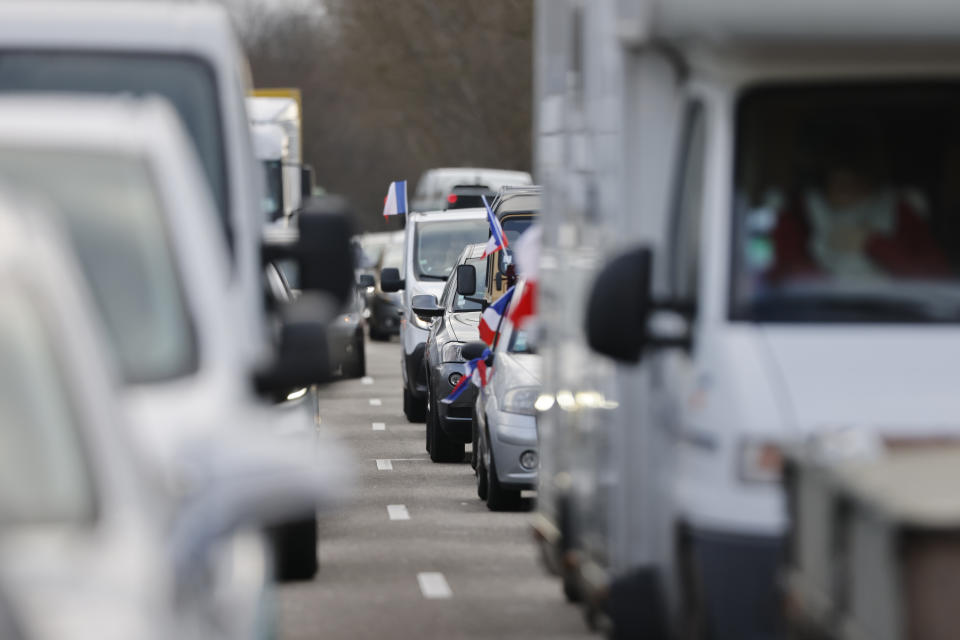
column 452, row 570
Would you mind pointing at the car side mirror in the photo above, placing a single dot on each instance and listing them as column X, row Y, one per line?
column 473, row 350
column 303, row 355
column 365, row 281
column 390, row 280
column 617, row 325
column 426, row 306
column 320, row 244
column 466, row 279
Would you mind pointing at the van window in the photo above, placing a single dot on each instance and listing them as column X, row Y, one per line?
column 847, row 204
column 114, row 217
column 43, row 470
column 188, row 83
column 273, row 198
column 687, row 208
column 438, row 245
column 513, row 227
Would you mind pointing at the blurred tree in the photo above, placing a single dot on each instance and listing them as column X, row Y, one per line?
column 393, row 88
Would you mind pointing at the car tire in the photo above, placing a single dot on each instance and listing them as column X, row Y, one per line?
column 413, row 408
column 357, row 367
column 442, row 447
column 481, row 476
column 295, row 550
column 499, row 498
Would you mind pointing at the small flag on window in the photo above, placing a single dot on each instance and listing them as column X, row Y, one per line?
column 395, row 204
column 497, row 239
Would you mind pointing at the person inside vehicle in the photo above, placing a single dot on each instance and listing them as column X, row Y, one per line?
column 853, row 223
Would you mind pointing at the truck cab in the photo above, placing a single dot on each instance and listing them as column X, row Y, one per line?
column 782, row 272
column 515, row 208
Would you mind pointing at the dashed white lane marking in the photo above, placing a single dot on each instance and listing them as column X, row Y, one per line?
column 384, row 465
column 375, row 402
column 398, row 512
column 433, row 585
column 366, row 380
column 379, row 426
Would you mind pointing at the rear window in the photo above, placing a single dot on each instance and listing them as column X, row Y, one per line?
column 188, row 83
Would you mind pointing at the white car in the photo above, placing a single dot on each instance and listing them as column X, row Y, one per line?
column 93, row 543
column 431, row 245
column 435, row 185
column 127, row 187
column 505, row 421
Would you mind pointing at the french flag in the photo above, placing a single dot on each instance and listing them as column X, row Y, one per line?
column 526, row 304
column 395, row 204
column 527, row 256
column 476, row 373
column 497, row 239
column 492, row 315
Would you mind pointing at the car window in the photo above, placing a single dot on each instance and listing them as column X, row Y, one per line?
column 273, row 198
column 520, row 342
column 513, row 228
column 188, row 83
column 113, row 214
column 437, row 245
column 43, row 473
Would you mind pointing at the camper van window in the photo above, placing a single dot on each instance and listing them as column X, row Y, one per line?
column 847, row 204
column 687, row 208
column 437, row 245
column 273, row 197
column 43, row 474
column 188, row 83
column 513, row 227
column 113, row 214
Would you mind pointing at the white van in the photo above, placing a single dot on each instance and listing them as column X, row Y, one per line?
column 432, row 243
column 788, row 173
column 436, row 184
column 279, row 118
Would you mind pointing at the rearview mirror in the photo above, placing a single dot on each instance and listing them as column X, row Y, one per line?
column 390, row 280
column 466, row 279
column 473, row 350
column 366, row 281
column 425, row 306
column 303, row 355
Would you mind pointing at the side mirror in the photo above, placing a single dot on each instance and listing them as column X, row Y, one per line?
column 390, row 280
column 320, row 244
column 303, row 354
column 617, row 325
column 365, row 281
column 425, row 306
column 473, row 350
column 466, row 279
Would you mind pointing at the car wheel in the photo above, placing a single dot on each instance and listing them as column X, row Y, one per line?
column 414, row 408
column 295, row 550
column 499, row 498
column 481, row 475
column 442, row 447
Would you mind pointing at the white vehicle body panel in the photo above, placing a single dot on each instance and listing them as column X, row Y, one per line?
column 285, row 114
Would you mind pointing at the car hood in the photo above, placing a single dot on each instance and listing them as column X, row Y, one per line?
column 464, row 326
column 517, row 369
column 898, row 381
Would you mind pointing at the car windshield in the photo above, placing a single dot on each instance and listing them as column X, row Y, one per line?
column 43, row 473
column 188, row 83
column 520, row 342
column 438, row 245
column 460, row 303
column 113, row 214
column 847, row 204
column 393, row 256
column 273, row 198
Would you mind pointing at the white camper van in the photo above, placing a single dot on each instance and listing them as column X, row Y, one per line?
column 780, row 181
column 278, row 119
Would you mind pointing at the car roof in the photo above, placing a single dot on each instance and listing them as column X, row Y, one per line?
column 449, row 215
column 517, row 199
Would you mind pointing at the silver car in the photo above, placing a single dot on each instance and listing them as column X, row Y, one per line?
column 505, row 422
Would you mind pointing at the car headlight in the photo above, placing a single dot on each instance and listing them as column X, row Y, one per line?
column 520, row 400
column 760, row 461
column 451, row 352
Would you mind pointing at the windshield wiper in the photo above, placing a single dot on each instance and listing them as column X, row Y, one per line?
column 430, row 276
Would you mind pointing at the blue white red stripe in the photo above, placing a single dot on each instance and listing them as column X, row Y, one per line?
column 498, row 240
column 395, row 204
column 491, row 317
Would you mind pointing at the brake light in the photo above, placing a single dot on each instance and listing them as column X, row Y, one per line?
column 452, row 198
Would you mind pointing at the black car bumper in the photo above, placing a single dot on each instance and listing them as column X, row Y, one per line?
column 456, row 419
column 384, row 316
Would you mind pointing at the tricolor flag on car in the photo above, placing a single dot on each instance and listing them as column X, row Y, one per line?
column 476, row 373
column 492, row 316
column 395, row 204
column 527, row 256
column 498, row 240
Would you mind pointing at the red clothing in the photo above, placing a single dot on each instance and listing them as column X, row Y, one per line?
column 910, row 252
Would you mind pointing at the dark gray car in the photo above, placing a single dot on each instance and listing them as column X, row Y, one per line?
column 449, row 426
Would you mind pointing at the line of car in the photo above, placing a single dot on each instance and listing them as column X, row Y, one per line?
column 154, row 488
